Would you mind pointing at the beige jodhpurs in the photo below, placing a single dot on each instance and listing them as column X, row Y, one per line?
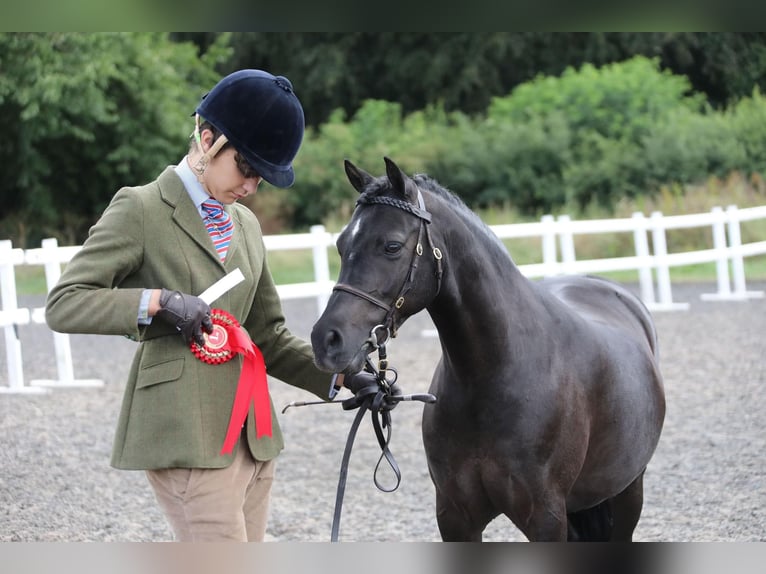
column 216, row 504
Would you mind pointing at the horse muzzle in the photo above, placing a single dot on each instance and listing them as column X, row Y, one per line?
column 334, row 351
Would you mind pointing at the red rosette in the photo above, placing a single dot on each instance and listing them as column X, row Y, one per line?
column 217, row 348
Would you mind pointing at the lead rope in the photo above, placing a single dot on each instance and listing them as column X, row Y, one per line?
column 369, row 403
column 379, row 399
column 372, row 398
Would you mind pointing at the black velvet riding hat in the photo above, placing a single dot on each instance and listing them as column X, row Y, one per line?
column 263, row 119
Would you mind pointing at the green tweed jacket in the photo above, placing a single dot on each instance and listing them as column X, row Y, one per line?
column 176, row 408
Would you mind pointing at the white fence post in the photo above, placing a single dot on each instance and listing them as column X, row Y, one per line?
column 321, row 265
column 735, row 250
column 11, row 317
column 718, row 229
column 566, row 241
column 549, row 244
column 641, row 246
column 660, row 248
column 51, row 260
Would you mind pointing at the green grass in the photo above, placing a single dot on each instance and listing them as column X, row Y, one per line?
column 297, row 266
column 30, row 280
column 755, row 270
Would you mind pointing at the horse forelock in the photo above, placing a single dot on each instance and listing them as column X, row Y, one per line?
column 376, row 188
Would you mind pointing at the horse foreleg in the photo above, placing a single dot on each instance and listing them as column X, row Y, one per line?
column 456, row 524
column 538, row 512
column 547, row 525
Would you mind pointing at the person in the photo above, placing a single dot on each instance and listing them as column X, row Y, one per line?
column 154, row 249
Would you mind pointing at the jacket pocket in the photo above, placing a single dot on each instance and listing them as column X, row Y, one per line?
column 162, row 372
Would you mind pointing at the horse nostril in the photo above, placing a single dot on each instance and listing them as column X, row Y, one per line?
column 327, row 345
column 332, row 340
column 325, row 340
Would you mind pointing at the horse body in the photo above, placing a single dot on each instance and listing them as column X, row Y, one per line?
column 550, row 401
column 581, row 424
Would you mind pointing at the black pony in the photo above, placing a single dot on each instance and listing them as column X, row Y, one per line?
column 550, row 400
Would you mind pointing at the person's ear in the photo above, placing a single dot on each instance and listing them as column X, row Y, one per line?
column 206, row 139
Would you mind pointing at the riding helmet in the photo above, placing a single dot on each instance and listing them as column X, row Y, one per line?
column 263, row 119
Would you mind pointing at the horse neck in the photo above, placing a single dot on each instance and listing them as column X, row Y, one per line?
column 483, row 295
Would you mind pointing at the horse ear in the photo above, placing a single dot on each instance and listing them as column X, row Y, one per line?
column 358, row 177
column 400, row 181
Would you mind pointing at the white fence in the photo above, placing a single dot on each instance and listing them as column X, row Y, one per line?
column 558, row 257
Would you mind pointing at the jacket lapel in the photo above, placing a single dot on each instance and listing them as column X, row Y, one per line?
column 185, row 214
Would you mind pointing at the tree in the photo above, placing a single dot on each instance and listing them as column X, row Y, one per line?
column 89, row 113
column 465, row 70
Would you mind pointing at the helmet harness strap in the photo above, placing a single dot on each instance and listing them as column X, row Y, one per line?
column 202, row 163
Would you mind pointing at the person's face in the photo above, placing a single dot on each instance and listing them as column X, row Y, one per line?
column 228, row 176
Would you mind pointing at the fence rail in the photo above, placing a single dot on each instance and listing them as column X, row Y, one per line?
column 558, row 256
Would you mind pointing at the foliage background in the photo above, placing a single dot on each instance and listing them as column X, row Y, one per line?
column 528, row 122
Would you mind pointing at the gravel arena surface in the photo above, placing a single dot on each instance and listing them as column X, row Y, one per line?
column 706, row 482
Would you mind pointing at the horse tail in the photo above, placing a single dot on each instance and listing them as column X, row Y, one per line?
column 591, row 524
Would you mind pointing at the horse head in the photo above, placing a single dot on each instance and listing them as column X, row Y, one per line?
column 384, row 277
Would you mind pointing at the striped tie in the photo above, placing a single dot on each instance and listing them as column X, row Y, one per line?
column 219, row 225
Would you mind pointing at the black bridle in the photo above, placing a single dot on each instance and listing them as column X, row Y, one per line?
column 421, row 213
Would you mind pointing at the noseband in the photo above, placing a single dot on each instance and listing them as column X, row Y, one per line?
column 425, row 219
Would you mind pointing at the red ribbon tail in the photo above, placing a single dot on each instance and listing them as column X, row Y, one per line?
column 261, row 401
column 251, row 388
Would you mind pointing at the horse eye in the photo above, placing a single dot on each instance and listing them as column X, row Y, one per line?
column 393, row 247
